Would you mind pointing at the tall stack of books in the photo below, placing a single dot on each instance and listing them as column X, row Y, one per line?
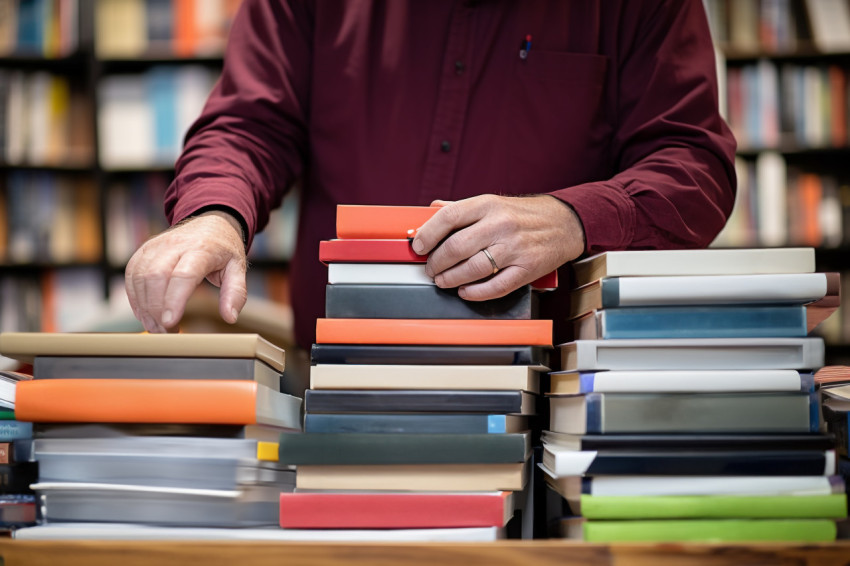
column 173, row 430
column 685, row 409
column 419, row 407
column 833, row 384
column 17, row 469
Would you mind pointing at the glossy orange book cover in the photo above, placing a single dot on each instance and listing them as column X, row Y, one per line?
column 433, row 331
column 380, row 222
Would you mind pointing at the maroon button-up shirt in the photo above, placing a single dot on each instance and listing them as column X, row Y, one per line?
column 613, row 111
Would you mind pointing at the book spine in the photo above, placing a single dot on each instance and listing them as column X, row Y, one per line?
column 351, row 401
column 405, row 424
column 15, row 430
column 708, row 530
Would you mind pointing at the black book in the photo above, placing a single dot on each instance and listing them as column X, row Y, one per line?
column 535, row 356
column 428, row 423
column 692, row 442
column 423, row 301
column 16, row 478
column 368, row 449
column 407, row 401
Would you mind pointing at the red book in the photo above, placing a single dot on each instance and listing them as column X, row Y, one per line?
column 395, row 510
column 380, row 222
column 368, row 251
column 480, row 332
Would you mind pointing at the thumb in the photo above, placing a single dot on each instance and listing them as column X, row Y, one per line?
column 234, row 291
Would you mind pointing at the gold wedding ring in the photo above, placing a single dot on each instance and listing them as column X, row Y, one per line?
column 492, row 261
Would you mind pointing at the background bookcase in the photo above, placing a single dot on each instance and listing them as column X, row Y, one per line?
column 95, row 97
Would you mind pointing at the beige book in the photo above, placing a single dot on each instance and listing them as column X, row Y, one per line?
column 24, row 346
column 120, row 28
column 419, row 477
column 438, row 377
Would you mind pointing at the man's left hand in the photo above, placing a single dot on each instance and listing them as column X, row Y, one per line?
column 526, row 237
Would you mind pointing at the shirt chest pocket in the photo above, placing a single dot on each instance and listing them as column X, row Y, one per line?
column 557, row 120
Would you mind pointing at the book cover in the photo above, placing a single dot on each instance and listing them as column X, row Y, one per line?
column 378, row 401
column 560, row 462
column 602, row 413
column 433, row 331
column 156, row 401
column 694, row 262
column 701, row 530
column 395, row 510
column 133, row 367
column 700, row 290
column 14, row 430
column 718, row 321
column 380, row 221
column 423, row 301
column 404, row 274
column 733, row 441
column 417, row 477
column 426, row 423
column 24, row 346
column 461, row 377
column 368, row 251
column 17, row 477
column 536, row 357
column 89, row 430
column 832, row 506
column 17, row 510
column 693, row 353
column 678, row 381
column 345, row 449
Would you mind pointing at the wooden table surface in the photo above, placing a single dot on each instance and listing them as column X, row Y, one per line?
column 516, row 553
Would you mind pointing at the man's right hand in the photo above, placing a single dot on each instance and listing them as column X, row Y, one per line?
column 166, row 269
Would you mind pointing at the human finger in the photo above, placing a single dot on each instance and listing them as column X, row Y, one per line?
column 450, row 218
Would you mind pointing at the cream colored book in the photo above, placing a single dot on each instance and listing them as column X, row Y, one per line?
column 439, row 377
column 24, row 346
column 419, row 477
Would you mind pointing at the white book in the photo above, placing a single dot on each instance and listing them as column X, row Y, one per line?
column 678, row 381
column 693, row 353
column 830, row 21
column 694, row 262
column 125, row 122
column 771, row 190
column 127, row 531
column 450, row 377
column 378, row 273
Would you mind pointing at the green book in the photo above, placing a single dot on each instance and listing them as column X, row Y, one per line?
column 714, row 506
column 715, row 531
column 390, row 448
column 7, row 414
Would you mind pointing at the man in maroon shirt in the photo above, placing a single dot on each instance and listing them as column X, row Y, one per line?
column 602, row 114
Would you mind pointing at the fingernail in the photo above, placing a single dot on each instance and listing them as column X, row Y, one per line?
column 418, row 246
column 461, row 292
column 235, row 314
column 167, row 318
column 148, row 323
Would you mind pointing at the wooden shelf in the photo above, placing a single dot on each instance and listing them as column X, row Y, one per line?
column 515, row 553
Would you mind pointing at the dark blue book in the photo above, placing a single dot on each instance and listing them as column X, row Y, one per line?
column 32, row 17
column 534, row 356
column 720, row 321
column 160, row 21
column 418, row 401
column 412, row 424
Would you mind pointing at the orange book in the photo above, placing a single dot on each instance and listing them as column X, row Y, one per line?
column 185, row 28
column 838, row 106
column 174, row 401
column 380, row 222
column 811, row 194
column 434, row 331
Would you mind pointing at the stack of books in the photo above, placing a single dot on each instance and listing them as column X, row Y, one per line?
column 17, row 469
column 174, row 430
column 419, row 406
column 833, row 384
column 685, row 410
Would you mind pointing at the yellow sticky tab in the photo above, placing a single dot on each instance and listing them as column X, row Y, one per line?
column 267, row 451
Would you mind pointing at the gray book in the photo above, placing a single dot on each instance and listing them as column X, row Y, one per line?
column 94, row 367
column 693, row 353
column 603, row 413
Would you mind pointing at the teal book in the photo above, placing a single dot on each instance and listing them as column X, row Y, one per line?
column 718, row 321
column 714, row 506
column 389, row 423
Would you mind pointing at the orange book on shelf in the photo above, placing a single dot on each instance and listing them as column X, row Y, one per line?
column 811, row 195
column 434, row 331
column 380, row 222
column 174, row 401
column 185, row 28
column 838, row 106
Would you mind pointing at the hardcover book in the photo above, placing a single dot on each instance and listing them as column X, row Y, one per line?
column 378, row 401
column 25, row 346
column 532, row 356
column 127, row 367
column 368, row 251
column 693, row 353
column 602, row 413
column 774, row 288
column 426, row 423
column 468, row 377
column 433, row 332
column 380, row 221
column 719, row 321
column 368, row 449
column 156, row 401
column 675, row 441
column 423, row 301
column 395, row 510
column 694, row 262
column 405, row 274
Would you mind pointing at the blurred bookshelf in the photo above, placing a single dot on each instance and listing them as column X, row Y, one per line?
column 784, row 67
column 95, row 98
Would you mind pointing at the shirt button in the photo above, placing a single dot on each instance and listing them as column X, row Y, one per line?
column 445, row 147
column 459, row 67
